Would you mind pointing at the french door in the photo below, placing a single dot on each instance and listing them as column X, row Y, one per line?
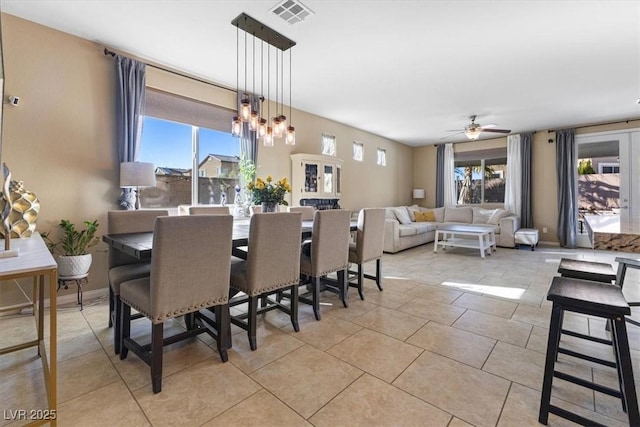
column 611, row 155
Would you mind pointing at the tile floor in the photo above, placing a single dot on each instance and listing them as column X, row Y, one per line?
column 452, row 341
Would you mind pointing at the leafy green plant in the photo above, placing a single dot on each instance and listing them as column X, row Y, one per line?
column 247, row 169
column 73, row 242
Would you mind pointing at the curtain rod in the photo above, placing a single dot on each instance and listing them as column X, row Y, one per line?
column 477, row 140
column 598, row 124
column 107, row 52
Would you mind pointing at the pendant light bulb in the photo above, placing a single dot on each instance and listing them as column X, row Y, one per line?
column 254, row 120
column 291, row 135
column 283, row 123
column 268, row 137
column 262, row 128
column 245, row 108
column 236, row 126
column 277, row 129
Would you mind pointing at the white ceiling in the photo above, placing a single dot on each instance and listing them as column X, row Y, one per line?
column 405, row 70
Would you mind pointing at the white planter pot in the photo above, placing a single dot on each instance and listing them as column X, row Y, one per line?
column 73, row 266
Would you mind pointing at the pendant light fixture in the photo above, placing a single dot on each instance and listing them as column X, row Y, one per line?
column 262, row 123
column 291, row 131
column 257, row 122
column 268, row 137
column 236, row 124
column 282, row 118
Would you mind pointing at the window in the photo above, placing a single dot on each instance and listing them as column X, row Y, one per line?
column 328, row 145
column 358, row 151
column 609, row 168
column 481, row 176
column 382, row 157
column 180, row 136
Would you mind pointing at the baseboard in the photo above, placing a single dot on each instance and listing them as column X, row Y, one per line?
column 542, row 242
column 71, row 298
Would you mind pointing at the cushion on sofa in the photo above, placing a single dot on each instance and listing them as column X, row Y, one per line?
column 412, row 210
column 425, row 227
column 481, row 215
column 463, row 214
column 402, row 215
column 389, row 214
column 497, row 216
column 407, row 230
column 438, row 212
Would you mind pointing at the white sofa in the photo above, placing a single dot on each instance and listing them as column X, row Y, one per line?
column 402, row 231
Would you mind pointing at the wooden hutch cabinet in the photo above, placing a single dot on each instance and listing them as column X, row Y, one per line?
column 315, row 177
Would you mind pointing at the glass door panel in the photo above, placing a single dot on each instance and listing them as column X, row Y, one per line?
column 328, row 179
column 310, row 178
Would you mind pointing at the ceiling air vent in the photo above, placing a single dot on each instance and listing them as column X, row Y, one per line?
column 291, row 11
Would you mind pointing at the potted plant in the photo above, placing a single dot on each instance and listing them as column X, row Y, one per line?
column 73, row 259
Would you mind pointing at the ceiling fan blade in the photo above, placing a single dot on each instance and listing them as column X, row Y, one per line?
column 489, row 126
column 497, row 130
column 454, row 130
column 453, row 134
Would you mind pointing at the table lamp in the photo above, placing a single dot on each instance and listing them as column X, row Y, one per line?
column 418, row 193
column 135, row 175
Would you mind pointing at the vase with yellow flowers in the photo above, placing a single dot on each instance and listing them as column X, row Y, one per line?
column 269, row 193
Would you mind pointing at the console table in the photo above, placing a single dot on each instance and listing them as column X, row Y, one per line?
column 35, row 261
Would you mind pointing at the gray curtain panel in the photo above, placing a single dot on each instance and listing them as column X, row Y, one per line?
column 566, row 175
column 249, row 140
column 130, row 101
column 526, row 220
column 440, row 176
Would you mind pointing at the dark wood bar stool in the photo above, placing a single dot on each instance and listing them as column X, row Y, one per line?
column 623, row 264
column 594, row 299
column 587, row 270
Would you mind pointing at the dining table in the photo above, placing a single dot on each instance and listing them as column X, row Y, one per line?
column 140, row 245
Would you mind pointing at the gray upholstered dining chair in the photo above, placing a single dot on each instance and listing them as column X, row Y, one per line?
column 272, row 264
column 209, row 210
column 189, row 271
column 368, row 246
column 307, row 211
column 123, row 267
column 329, row 252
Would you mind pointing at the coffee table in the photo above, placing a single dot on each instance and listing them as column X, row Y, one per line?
column 466, row 236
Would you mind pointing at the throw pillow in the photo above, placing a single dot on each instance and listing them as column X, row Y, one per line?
column 497, row 216
column 412, row 210
column 438, row 212
column 481, row 216
column 402, row 214
column 425, row 217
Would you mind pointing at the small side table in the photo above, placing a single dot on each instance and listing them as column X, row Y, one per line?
column 63, row 281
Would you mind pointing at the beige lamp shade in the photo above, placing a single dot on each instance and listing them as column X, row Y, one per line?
column 418, row 193
column 137, row 174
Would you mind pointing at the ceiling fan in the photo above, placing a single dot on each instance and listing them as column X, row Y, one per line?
column 473, row 130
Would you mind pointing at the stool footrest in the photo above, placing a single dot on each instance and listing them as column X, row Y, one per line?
column 585, row 357
column 573, row 417
column 588, row 384
column 586, row 337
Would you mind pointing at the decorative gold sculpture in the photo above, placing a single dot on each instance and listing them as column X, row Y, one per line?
column 19, row 207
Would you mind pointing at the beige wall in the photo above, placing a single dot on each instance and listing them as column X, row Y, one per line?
column 61, row 139
column 544, row 198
